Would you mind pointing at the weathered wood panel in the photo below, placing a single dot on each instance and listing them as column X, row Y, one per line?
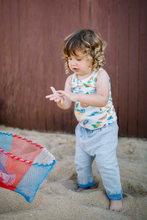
column 7, row 62
column 48, row 62
column 123, row 60
column 31, row 36
column 113, row 49
column 16, row 104
column 142, row 103
column 32, row 47
column 40, row 65
column 133, row 68
column 23, row 64
column 2, row 91
column 94, row 15
column 84, row 14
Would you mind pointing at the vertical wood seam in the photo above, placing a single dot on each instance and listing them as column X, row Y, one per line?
column 128, row 66
column 118, row 46
column 138, row 71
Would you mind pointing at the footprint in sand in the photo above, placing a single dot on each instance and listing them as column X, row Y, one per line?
column 133, row 189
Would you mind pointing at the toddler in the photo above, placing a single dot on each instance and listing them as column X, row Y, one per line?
column 97, row 131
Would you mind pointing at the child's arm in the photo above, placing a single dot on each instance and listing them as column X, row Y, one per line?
column 61, row 100
column 99, row 99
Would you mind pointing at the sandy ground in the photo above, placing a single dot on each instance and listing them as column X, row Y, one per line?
column 56, row 198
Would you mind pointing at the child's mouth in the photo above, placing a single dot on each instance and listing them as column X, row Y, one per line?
column 75, row 69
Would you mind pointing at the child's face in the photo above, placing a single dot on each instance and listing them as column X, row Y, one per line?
column 80, row 64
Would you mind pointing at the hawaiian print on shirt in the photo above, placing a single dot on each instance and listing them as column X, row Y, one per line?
column 92, row 117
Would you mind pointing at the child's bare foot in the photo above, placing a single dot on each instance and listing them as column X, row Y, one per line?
column 116, row 205
column 79, row 189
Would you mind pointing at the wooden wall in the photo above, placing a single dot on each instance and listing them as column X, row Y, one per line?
column 31, row 36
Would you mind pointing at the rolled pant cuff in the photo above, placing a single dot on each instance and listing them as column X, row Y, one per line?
column 86, row 185
column 115, row 196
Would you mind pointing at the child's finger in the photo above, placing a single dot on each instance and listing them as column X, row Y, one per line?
column 61, row 100
column 57, row 100
column 53, row 89
column 48, row 96
column 62, row 93
column 53, row 98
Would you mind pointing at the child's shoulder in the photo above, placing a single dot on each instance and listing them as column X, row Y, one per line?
column 101, row 72
column 70, row 78
column 102, row 76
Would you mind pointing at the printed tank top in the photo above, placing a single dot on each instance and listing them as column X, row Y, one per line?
column 92, row 117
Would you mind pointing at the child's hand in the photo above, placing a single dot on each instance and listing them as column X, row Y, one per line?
column 69, row 95
column 55, row 96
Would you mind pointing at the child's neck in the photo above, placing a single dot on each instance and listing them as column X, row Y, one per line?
column 81, row 77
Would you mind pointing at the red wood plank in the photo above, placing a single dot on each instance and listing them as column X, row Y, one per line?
column 7, row 62
column 66, row 30
column 113, row 50
column 40, row 64
column 123, row 67
column 75, row 15
column 48, row 62
column 75, row 25
column 16, row 86
column 32, row 75
column 133, row 68
column 94, row 15
column 142, row 105
column 103, row 27
column 2, row 89
column 57, row 61
column 23, row 64
column 84, row 13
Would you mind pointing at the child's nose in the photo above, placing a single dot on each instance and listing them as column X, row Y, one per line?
column 73, row 62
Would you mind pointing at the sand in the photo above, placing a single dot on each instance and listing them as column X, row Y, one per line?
column 56, row 198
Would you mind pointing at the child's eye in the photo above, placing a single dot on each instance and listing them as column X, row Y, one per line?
column 69, row 58
column 78, row 59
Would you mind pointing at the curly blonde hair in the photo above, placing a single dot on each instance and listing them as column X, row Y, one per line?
column 87, row 41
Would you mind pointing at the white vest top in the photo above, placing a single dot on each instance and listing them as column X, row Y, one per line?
column 92, row 117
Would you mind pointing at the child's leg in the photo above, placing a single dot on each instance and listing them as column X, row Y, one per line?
column 108, row 167
column 83, row 162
